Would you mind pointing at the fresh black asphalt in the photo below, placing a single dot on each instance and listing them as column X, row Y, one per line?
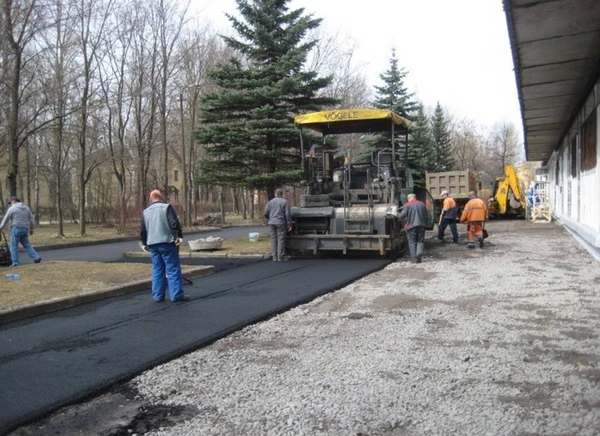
column 61, row 358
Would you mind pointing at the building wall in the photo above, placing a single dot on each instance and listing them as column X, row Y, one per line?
column 575, row 191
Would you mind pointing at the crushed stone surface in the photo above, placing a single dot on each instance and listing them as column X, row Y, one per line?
column 502, row 340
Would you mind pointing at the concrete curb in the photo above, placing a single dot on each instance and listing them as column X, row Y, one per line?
column 64, row 303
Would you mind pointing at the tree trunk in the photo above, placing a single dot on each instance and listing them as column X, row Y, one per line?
column 222, row 203
column 184, row 186
column 235, row 192
column 12, row 124
column 245, row 196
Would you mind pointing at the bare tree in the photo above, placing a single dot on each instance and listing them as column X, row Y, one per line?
column 503, row 145
column 92, row 20
column 143, row 90
column 119, row 104
column 198, row 51
column 467, row 146
column 168, row 21
column 59, row 57
column 334, row 56
column 20, row 21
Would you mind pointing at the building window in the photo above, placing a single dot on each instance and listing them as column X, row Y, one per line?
column 574, row 157
column 176, row 175
column 589, row 139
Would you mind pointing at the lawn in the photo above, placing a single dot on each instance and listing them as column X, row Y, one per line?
column 51, row 280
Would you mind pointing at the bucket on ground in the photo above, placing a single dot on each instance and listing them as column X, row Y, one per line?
column 253, row 237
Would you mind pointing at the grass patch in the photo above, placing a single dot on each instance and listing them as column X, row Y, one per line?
column 51, row 280
column 238, row 220
column 47, row 234
column 239, row 246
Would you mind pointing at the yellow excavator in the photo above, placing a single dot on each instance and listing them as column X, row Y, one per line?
column 508, row 196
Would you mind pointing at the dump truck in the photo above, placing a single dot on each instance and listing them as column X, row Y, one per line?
column 457, row 183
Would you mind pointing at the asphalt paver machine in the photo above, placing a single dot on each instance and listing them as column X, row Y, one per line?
column 353, row 206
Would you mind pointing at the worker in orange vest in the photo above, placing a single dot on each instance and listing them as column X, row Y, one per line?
column 448, row 217
column 474, row 216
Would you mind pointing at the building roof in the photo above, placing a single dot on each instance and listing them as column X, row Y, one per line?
column 556, row 53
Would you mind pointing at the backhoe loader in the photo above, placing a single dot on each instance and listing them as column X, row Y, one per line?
column 508, row 196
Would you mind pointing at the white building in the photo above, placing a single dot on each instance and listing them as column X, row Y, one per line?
column 556, row 53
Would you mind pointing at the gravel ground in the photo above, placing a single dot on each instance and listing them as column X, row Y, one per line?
column 499, row 341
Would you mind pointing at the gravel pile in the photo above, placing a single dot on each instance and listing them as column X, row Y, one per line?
column 499, row 341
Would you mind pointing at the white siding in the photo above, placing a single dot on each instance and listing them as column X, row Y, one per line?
column 576, row 199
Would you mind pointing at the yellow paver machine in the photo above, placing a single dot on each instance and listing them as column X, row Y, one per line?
column 354, row 206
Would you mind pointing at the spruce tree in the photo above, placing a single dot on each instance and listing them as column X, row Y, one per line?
column 394, row 96
column 420, row 149
column 247, row 123
column 442, row 140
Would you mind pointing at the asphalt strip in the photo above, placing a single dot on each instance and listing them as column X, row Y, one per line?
column 63, row 357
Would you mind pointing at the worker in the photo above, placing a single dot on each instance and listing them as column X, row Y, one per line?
column 279, row 218
column 415, row 213
column 448, row 217
column 474, row 216
column 22, row 223
column 161, row 235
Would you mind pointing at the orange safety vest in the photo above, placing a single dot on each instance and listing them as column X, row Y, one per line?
column 475, row 210
column 449, row 203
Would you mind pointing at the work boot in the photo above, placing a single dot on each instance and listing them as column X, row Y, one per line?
column 480, row 239
column 471, row 245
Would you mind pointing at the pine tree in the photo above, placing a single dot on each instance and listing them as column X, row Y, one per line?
column 247, row 124
column 420, row 149
column 442, row 140
column 393, row 96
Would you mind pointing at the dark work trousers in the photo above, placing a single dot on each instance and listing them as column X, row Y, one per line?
column 442, row 227
column 416, row 242
column 278, row 233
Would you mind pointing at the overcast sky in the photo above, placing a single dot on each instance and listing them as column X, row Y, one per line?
column 456, row 52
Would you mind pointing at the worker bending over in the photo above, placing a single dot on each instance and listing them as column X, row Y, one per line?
column 474, row 216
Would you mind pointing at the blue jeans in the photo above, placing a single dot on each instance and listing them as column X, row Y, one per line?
column 442, row 227
column 20, row 234
column 166, row 269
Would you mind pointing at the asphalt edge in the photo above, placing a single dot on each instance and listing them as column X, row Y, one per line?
column 209, row 254
column 67, row 302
